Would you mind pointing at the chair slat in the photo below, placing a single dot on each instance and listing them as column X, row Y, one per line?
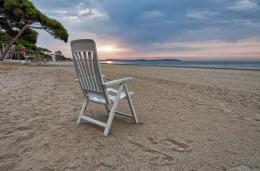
column 77, row 70
column 91, row 72
column 96, row 71
column 81, row 78
column 86, row 71
column 83, row 71
column 95, row 78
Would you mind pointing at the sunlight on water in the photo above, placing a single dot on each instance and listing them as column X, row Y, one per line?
column 108, row 62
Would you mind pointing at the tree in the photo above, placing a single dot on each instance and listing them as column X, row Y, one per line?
column 19, row 16
column 20, row 50
column 45, row 53
column 28, row 39
column 59, row 56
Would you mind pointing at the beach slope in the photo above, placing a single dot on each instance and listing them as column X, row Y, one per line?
column 191, row 119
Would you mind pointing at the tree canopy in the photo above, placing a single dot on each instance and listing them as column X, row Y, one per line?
column 19, row 17
column 16, row 13
column 60, row 57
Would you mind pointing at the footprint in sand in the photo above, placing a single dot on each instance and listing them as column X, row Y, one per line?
column 104, row 166
column 155, row 152
column 172, row 144
column 240, row 168
column 176, row 146
column 23, row 128
column 153, row 155
column 8, row 156
column 152, row 140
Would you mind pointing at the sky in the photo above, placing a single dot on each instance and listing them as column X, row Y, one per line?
column 151, row 29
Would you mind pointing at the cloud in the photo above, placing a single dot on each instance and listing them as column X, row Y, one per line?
column 91, row 13
column 214, row 49
column 73, row 11
column 138, row 25
column 151, row 15
column 81, row 14
column 244, row 5
column 70, row 18
column 201, row 15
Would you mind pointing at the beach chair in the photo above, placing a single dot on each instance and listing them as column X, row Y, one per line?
column 93, row 86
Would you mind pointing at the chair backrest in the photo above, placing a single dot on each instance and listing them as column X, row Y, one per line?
column 86, row 63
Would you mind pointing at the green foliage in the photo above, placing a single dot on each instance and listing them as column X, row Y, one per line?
column 45, row 50
column 4, row 37
column 28, row 38
column 20, row 48
column 60, row 57
column 29, row 35
column 39, row 54
column 16, row 13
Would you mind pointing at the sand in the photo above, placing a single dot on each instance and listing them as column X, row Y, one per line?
column 191, row 119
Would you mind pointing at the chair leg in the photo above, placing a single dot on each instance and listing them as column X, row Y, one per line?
column 82, row 110
column 112, row 111
column 130, row 104
column 106, row 106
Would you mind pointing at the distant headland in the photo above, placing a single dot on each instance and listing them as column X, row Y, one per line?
column 162, row 59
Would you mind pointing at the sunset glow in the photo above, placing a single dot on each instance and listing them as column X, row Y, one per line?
column 205, row 30
column 110, row 49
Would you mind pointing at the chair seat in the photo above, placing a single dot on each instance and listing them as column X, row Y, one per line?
column 111, row 95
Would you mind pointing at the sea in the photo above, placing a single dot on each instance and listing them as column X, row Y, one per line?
column 248, row 65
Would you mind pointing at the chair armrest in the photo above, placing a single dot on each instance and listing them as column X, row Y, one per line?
column 116, row 82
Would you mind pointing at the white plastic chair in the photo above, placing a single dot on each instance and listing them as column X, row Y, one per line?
column 93, row 86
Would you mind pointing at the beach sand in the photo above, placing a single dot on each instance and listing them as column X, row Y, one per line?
column 191, row 120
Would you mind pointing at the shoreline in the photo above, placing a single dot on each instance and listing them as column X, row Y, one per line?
column 69, row 63
column 246, row 69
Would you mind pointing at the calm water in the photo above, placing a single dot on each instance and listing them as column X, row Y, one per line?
column 200, row 64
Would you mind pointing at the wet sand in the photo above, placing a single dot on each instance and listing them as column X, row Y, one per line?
column 191, row 119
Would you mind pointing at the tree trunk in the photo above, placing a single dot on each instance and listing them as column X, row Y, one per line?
column 7, row 48
column 19, row 58
column 1, row 48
